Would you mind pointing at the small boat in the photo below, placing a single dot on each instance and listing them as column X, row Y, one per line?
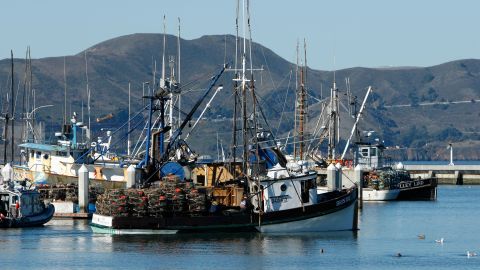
column 381, row 184
column 385, row 183
column 22, row 207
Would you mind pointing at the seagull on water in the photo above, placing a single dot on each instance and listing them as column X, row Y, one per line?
column 439, row 241
column 421, row 236
column 471, row 254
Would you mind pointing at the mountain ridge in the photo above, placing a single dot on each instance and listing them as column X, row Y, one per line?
column 131, row 58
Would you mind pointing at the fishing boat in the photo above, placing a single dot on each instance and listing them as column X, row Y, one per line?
column 266, row 194
column 58, row 163
column 21, row 206
column 384, row 182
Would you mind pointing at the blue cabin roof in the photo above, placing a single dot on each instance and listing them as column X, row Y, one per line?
column 44, row 147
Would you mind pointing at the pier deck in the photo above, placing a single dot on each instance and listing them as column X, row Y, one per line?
column 462, row 174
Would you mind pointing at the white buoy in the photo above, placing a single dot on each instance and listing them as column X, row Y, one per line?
column 471, row 254
column 83, row 189
column 130, row 176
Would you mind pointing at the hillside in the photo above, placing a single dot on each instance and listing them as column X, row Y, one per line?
column 422, row 128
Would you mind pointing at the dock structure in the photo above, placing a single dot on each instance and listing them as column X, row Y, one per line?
column 456, row 174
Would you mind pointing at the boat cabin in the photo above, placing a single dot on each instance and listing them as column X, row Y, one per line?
column 285, row 190
column 370, row 156
column 20, row 204
column 51, row 158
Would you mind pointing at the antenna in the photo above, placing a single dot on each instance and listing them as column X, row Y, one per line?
column 88, row 98
column 178, row 52
column 129, row 127
column 162, row 81
column 178, row 75
column 65, row 90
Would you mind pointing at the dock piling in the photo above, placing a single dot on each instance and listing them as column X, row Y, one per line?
column 358, row 180
column 131, row 176
column 83, row 189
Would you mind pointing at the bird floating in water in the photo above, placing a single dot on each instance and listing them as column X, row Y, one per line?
column 440, row 241
column 471, row 254
column 398, row 254
column 321, row 250
column 421, row 236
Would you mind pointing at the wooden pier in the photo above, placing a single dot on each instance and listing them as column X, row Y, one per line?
column 447, row 174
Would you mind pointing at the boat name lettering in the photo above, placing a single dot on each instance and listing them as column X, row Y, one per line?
column 343, row 201
column 279, row 199
column 410, row 184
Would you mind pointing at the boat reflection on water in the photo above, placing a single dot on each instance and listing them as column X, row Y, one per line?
column 228, row 243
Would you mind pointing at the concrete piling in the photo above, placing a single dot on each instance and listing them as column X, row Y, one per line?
column 339, row 183
column 358, row 178
column 459, row 177
column 83, row 189
column 131, row 176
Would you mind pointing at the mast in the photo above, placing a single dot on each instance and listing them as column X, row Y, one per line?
column 162, row 81
column 13, row 114
column 301, row 105
column 64, row 91
column 301, row 114
column 235, row 95
column 129, row 142
column 178, row 74
column 244, row 97
column 333, row 124
column 24, row 105
column 88, row 97
column 296, row 105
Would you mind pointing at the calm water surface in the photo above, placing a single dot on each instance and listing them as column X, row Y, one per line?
column 385, row 230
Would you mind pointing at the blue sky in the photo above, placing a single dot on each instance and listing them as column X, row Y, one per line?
column 368, row 33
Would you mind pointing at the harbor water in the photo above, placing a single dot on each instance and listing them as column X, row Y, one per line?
column 386, row 230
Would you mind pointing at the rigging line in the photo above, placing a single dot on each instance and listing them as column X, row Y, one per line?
column 284, row 102
column 249, row 38
column 348, row 178
column 24, row 108
column 7, row 98
column 144, row 138
column 315, row 98
column 268, row 67
column 316, row 126
column 17, row 93
column 263, row 116
column 264, row 102
column 114, row 143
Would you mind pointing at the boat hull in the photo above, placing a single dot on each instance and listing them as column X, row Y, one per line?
column 336, row 214
column 342, row 220
column 30, row 221
column 369, row 194
column 419, row 189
